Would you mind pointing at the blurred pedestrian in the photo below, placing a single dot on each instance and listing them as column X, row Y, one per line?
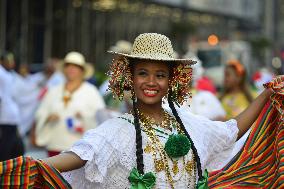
column 50, row 76
column 68, row 109
column 11, row 143
column 236, row 95
column 235, row 98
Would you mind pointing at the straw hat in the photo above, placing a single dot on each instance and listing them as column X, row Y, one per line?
column 78, row 59
column 153, row 46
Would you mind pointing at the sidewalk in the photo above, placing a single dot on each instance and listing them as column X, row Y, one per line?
column 34, row 152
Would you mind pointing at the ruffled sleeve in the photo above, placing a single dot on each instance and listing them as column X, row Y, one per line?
column 211, row 138
column 106, row 146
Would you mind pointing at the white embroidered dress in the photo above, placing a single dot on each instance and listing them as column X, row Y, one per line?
column 110, row 151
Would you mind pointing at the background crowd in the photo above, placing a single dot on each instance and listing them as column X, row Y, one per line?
column 51, row 109
column 53, row 61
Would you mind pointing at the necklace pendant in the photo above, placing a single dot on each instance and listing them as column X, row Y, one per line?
column 159, row 165
column 148, row 149
column 175, row 168
column 189, row 166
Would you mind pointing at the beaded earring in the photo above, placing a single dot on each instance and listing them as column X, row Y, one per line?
column 179, row 83
column 120, row 77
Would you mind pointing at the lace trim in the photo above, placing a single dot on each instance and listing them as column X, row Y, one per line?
column 104, row 152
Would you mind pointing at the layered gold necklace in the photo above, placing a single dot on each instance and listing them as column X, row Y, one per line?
column 160, row 157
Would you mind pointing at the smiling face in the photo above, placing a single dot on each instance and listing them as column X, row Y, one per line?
column 151, row 82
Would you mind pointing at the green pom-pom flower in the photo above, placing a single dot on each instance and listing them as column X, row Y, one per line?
column 177, row 145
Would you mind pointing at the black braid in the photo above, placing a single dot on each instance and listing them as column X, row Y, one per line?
column 174, row 111
column 139, row 150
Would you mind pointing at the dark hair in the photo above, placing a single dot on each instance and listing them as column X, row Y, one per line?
column 139, row 150
column 196, row 156
column 243, row 85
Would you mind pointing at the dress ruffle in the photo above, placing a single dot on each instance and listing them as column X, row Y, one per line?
column 110, row 149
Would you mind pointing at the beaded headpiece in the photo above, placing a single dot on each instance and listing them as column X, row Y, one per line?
column 151, row 46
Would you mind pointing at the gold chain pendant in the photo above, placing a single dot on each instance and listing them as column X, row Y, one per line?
column 159, row 165
column 148, row 149
column 175, row 168
column 189, row 166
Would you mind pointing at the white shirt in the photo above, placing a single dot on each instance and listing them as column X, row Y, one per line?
column 27, row 92
column 9, row 110
column 86, row 100
column 110, row 152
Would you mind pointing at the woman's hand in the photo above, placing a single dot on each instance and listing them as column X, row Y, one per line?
column 78, row 115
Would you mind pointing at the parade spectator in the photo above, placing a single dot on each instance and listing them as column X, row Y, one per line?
column 11, row 143
column 68, row 109
column 236, row 95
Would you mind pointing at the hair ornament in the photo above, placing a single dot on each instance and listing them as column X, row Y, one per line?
column 180, row 83
column 120, row 77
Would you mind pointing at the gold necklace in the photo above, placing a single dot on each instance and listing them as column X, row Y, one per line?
column 156, row 147
column 68, row 92
column 66, row 97
column 150, row 121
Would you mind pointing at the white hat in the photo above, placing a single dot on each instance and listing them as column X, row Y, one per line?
column 78, row 59
column 75, row 58
column 122, row 46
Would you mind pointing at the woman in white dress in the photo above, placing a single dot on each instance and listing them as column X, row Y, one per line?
column 151, row 147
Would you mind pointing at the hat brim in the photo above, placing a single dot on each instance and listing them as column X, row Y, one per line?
column 184, row 61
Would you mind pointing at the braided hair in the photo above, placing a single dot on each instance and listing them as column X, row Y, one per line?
column 139, row 150
column 197, row 159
